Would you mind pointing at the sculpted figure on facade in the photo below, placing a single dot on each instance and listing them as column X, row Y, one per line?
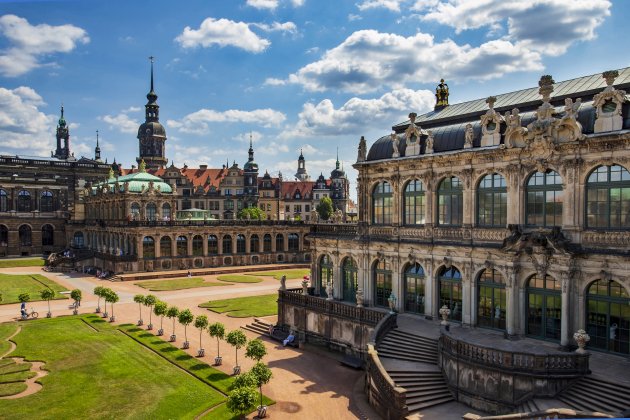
column 412, row 136
column 515, row 133
column 429, row 148
column 541, row 129
column 608, row 104
column 568, row 128
column 395, row 152
column 491, row 125
column 468, row 136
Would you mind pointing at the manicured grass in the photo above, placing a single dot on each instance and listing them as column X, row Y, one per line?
column 6, row 330
column 22, row 262
column 293, row 273
column 239, row 278
column 97, row 372
column 12, row 388
column 244, row 307
column 177, row 284
column 12, row 285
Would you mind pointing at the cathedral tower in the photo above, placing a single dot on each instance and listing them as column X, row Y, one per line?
column 63, row 150
column 151, row 134
column 301, row 174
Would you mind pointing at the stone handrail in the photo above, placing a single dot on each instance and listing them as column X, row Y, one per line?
column 384, row 326
column 570, row 364
column 552, row 413
column 111, row 257
column 335, row 229
column 55, row 163
column 387, row 399
column 167, row 223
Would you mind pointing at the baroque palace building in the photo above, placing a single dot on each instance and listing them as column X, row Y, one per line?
column 513, row 212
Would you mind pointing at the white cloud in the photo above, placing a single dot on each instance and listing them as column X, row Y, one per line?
column 263, row 4
column 222, row 32
column 244, row 137
column 122, row 122
column 393, row 5
column 197, row 122
column 297, row 3
column 353, row 17
column 271, row 81
column 27, row 43
column 313, row 168
column 369, row 59
column 277, row 27
column 272, row 149
column 323, row 119
column 132, row 109
column 309, row 150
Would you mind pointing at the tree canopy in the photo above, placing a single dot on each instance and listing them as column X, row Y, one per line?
column 325, row 208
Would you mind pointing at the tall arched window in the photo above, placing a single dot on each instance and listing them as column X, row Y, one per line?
column 254, row 244
column 78, row 240
column 48, row 235
column 414, row 205
column 544, row 307
column 213, row 245
column 294, row 242
column 24, row 233
column 240, row 244
column 166, row 211
column 491, row 301
column 450, row 286
column 182, row 246
column 349, row 279
column 197, row 245
column 492, row 201
column 135, row 211
column 267, row 243
column 382, row 275
column 24, row 201
column 166, row 247
column 325, row 274
column 279, row 243
column 382, row 204
column 608, row 198
column 4, row 201
column 414, row 288
column 608, row 316
column 544, row 199
column 4, row 236
column 148, row 247
column 151, row 211
column 226, row 245
column 46, row 201
column 450, row 202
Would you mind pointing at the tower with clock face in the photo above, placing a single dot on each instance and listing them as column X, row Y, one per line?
column 151, row 134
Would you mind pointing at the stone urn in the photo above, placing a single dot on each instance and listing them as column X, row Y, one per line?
column 75, row 312
column 173, row 338
column 150, row 327
column 283, row 282
column 140, row 323
column 329, row 291
column 237, row 370
column 581, row 338
column 104, row 315
column 112, row 318
column 98, row 310
column 160, row 332
column 186, row 345
column 218, row 361
column 305, row 287
column 359, row 298
column 48, row 315
column 201, row 352
column 262, row 411
column 444, row 313
column 392, row 303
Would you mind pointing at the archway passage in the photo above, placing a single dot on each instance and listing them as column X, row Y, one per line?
column 349, row 282
column 414, row 288
column 608, row 316
column 544, row 307
column 450, row 286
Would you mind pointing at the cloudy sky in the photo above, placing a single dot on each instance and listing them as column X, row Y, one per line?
column 292, row 74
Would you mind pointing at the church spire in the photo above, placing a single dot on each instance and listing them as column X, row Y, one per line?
column 63, row 149
column 97, row 149
column 151, row 134
column 251, row 148
column 337, row 164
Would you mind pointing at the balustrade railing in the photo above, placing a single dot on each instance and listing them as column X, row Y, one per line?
column 170, row 223
column 335, row 229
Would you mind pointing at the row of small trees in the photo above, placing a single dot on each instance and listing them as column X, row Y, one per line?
column 109, row 296
column 49, row 294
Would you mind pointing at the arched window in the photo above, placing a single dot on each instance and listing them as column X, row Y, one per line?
column 349, row 279
column 608, row 198
column 294, row 242
column 24, row 233
column 48, row 235
column 414, row 205
column 182, row 246
column 151, row 211
column 240, row 244
column 382, row 275
column 267, row 243
column 544, row 307
column 414, row 283
column 24, row 201
column 4, row 201
column 46, row 201
column 135, row 211
column 279, row 243
column 450, row 286
column 166, row 247
column 491, row 301
column 78, row 240
column 544, row 199
column 450, row 202
column 197, row 245
column 608, row 316
column 325, row 274
column 226, row 245
column 213, row 245
column 148, row 247
column 382, row 204
column 254, row 244
column 492, row 201
column 4, row 236
column 166, row 211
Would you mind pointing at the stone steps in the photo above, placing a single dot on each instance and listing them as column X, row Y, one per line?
column 258, row 326
column 409, row 347
column 593, row 394
column 528, row 406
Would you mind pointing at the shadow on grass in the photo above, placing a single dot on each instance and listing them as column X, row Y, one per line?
column 199, row 367
column 157, row 342
column 168, row 349
column 135, row 329
column 146, row 335
column 98, row 321
column 125, row 325
column 184, row 357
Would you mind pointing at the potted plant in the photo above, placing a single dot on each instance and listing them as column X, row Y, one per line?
column 201, row 322
column 236, row 339
column 98, row 291
column 262, row 375
column 159, row 309
column 48, row 294
column 217, row 330
column 139, row 299
column 76, row 296
column 172, row 312
column 185, row 317
column 241, row 400
column 111, row 297
column 149, row 301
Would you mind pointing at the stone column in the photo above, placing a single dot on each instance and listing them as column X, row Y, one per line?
column 564, row 322
column 430, row 207
column 514, row 200
column 205, row 245
column 397, row 287
column 429, row 291
column 522, row 306
column 139, row 247
column 156, row 245
column 466, row 295
column 273, row 242
column 511, row 314
column 174, row 246
column 467, row 203
column 248, row 242
column 189, row 245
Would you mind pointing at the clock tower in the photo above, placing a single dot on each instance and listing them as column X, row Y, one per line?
column 151, row 134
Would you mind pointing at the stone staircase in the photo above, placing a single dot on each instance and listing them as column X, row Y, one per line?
column 594, row 394
column 424, row 389
column 259, row 327
column 407, row 346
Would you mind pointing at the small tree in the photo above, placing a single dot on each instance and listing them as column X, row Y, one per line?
column 159, row 309
column 201, row 322
column 325, row 208
column 98, row 291
column 139, row 299
column 149, row 301
column 241, row 401
column 251, row 213
column 111, row 297
column 262, row 375
column 172, row 312
column 236, row 339
column 48, row 294
column 24, row 297
column 244, row 380
column 185, row 317
column 217, row 330
column 256, row 350
column 76, row 296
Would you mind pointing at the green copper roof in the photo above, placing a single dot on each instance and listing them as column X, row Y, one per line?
column 138, row 182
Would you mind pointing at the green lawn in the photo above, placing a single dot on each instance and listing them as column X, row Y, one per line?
column 12, row 285
column 239, row 278
column 245, row 306
column 293, row 273
column 22, row 262
column 101, row 373
column 6, row 330
column 177, row 284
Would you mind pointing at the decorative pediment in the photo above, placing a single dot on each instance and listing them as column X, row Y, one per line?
column 608, row 105
column 515, row 133
column 568, row 127
column 412, row 136
column 491, row 125
column 541, row 129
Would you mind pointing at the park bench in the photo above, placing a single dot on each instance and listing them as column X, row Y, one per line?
column 280, row 335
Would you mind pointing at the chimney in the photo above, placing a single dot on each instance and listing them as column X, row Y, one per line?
column 203, row 167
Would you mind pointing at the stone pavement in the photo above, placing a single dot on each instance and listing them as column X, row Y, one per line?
column 311, row 385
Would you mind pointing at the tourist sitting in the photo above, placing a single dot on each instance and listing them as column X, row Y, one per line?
column 289, row 339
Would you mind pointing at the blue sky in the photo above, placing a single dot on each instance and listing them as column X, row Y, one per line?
column 296, row 74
